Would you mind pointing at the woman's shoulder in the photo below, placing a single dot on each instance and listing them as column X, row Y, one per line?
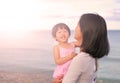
column 82, row 59
column 82, row 56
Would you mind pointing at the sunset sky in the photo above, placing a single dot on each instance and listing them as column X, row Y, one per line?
column 19, row 15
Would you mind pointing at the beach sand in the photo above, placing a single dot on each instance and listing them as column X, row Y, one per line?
column 28, row 77
column 24, row 77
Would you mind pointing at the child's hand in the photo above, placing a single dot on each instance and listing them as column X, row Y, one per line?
column 58, row 79
column 73, row 54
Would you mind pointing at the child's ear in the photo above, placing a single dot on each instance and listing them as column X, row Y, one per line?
column 55, row 38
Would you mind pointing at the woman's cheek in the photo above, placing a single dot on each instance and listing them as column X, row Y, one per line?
column 77, row 37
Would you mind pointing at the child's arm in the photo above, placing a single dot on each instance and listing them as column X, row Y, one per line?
column 61, row 60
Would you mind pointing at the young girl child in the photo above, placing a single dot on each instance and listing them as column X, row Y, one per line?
column 63, row 51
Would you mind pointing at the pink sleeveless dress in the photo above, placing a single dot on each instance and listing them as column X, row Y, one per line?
column 62, row 69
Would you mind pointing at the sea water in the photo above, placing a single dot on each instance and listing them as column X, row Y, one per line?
column 35, row 52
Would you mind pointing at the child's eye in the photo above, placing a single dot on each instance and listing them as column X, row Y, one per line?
column 65, row 31
column 59, row 31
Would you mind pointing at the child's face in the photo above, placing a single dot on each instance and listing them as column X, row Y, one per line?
column 62, row 35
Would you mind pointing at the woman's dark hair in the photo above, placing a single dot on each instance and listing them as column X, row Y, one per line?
column 94, row 31
column 59, row 25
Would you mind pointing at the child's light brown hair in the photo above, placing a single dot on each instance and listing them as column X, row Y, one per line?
column 59, row 25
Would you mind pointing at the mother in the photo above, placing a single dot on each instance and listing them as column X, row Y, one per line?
column 91, row 32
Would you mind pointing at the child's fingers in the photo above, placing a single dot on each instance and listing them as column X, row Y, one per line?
column 60, row 77
column 56, row 80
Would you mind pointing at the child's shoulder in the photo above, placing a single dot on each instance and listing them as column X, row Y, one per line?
column 75, row 43
column 56, row 46
column 72, row 44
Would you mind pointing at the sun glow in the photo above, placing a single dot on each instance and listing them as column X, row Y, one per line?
column 13, row 34
column 18, row 17
column 43, row 14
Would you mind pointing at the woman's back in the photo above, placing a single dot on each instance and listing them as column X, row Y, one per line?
column 84, row 69
column 88, row 75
